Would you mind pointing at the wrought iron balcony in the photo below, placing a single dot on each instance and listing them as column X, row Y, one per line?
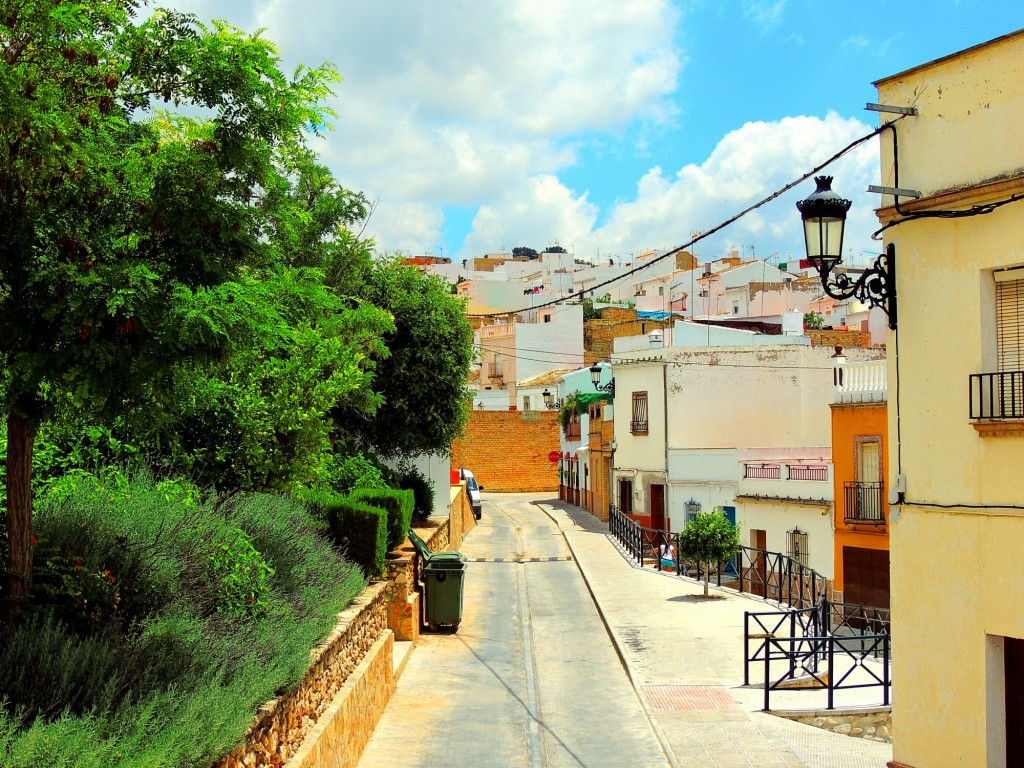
column 494, row 371
column 762, row 471
column 997, row 395
column 864, row 503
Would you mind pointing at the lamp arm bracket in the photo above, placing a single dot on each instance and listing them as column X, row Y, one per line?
column 876, row 286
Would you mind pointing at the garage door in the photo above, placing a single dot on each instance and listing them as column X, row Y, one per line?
column 866, row 577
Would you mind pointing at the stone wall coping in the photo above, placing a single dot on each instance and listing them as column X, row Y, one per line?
column 839, row 712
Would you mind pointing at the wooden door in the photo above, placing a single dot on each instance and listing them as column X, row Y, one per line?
column 658, row 507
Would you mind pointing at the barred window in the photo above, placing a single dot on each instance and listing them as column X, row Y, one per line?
column 796, row 545
column 638, row 424
column 692, row 509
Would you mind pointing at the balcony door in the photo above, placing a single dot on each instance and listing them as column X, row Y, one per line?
column 869, row 478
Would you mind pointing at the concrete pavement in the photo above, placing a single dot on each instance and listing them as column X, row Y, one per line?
column 684, row 656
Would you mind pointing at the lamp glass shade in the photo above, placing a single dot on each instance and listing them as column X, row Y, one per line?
column 824, row 217
column 548, row 397
column 823, row 237
column 595, row 374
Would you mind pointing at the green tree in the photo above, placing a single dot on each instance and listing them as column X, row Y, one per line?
column 813, row 320
column 709, row 538
column 119, row 223
column 422, row 382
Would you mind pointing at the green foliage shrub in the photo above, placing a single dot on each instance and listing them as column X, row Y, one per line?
column 422, row 489
column 359, row 529
column 170, row 670
column 398, row 504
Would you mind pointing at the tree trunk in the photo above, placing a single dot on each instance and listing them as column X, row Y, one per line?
column 707, row 577
column 20, row 440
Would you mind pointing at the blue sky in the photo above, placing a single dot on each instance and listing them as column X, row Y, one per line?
column 608, row 126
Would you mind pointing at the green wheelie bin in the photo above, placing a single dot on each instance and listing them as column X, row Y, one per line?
column 443, row 581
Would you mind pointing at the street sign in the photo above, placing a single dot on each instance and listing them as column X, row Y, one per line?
column 554, row 456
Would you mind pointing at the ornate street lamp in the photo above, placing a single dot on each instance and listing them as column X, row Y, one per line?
column 595, row 379
column 550, row 402
column 824, row 217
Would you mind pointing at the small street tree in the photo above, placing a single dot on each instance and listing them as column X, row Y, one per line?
column 709, row 539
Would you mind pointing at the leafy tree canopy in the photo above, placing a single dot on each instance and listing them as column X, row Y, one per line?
column 120, row 224
column 709, row 538
column 422, row 382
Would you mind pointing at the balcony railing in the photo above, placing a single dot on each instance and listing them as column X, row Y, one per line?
column 806, row 472
column 494, row 371
column 863, row 382
column 864, row 503
column 572, row 430
column 638, row 427
column 763, row 471
column 997, row 395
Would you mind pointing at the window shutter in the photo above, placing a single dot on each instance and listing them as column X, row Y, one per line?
column 1010, row 319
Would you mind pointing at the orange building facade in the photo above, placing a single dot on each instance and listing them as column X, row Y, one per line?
column 860, row 447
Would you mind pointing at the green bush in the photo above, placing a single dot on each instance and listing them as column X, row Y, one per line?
column 399, row 506
column 359, row 529
column 160, row 662
column 422, row 489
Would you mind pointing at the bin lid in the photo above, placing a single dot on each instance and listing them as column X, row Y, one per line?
column 446, row 559
column 420, row 544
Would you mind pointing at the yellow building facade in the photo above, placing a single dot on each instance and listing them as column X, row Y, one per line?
column 956, row 407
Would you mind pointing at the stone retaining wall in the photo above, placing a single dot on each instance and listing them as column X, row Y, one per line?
column 282, row 723
column 327, row 720
column 874, row 724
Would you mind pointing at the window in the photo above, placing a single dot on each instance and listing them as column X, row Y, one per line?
column 864, row 495
column 796, row 545
column 661, row 290
column 1000, row 395
column 638, row 424
column 526, row 402
column 547, row 318
column 691, row 508
column 1010, row 320
column 625, row 496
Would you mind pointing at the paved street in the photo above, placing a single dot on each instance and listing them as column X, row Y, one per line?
column 535, row 675
column 530, row 679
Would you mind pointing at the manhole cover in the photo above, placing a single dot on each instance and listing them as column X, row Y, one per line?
column 685, row 698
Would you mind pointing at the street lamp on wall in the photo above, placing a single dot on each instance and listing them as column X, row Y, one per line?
column 595, row 379
column 550, row 401
column 824, row 217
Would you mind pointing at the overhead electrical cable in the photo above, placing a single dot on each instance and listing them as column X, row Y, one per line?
column 702, row 235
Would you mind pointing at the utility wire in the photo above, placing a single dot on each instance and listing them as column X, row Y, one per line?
column 697, row 238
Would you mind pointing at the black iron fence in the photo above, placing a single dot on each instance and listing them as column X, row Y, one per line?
column 771, row 575
column 763, row 471
column 997, row 395
column 814, row 644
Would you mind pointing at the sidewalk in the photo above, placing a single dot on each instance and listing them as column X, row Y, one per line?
column 685, row 658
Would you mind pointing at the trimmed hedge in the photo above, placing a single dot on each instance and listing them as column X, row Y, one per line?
column 399, row 506
column 359, row 529
column 423, row 492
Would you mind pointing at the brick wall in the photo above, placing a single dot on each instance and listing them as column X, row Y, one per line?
column 508, row 450
column 845, row 339
column 599, row 335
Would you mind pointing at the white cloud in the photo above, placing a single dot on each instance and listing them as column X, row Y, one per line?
column 455, row 102
column 747, row 165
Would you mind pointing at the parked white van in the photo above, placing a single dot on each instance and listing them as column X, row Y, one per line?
column 473, row 489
